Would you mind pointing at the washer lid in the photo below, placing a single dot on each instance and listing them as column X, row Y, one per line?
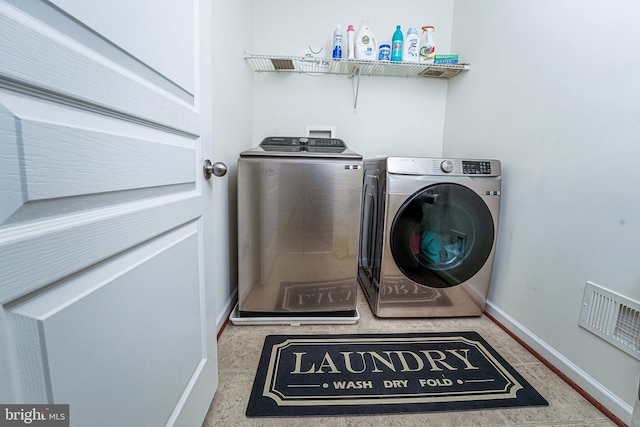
column 302, row 147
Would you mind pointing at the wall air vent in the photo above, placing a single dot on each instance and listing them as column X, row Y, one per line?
column 612, row 317
column 282, row 64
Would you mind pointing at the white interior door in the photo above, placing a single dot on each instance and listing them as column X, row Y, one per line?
column 105, row 295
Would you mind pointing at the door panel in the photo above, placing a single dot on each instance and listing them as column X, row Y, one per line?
column 106, row 298
column 149, row 326
column 95, row 176
column 172, row 59
column 47, row 58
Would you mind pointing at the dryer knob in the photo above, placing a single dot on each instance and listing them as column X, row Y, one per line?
column 446, row 166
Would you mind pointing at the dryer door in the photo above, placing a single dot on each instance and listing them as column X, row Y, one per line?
column 371, row 225
column 442, row 235
column 368, row 232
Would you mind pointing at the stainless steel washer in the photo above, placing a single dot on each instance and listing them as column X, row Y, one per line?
column 299, row 205
column 429, row 228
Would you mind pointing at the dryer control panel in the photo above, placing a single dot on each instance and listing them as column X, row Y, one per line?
column 443, row 167
column 476, row 167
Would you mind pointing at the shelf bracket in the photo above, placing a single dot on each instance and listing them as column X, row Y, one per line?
column 355, row 75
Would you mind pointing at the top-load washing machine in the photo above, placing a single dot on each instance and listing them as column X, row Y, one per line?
column 299, row 204
column 428, row 235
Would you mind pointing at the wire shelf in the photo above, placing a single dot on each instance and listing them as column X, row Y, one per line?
column 316, row 66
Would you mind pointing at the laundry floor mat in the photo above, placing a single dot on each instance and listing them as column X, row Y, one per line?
column 368, row 374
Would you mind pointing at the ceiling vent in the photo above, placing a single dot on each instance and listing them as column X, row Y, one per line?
column 612, row 317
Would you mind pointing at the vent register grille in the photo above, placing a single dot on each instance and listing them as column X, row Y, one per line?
column 612, row 317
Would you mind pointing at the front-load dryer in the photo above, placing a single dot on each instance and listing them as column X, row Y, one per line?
column 428, row 235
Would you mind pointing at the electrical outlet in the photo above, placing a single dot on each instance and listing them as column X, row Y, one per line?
column 320, row 131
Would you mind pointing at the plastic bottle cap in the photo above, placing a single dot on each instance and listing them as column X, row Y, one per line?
column 350, row 28
column 412, row 30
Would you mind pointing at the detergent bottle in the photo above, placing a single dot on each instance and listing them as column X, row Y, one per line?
column 351, row 42
column 427, row 46
column 396, row 45
column 366, row 47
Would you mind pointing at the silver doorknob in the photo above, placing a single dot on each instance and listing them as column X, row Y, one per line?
column 217, row 169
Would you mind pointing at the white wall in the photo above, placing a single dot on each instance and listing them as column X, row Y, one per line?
column 232, row 127
column 554, row 92
column 394, row 116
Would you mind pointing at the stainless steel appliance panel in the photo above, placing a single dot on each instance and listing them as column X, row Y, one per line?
column 298, row 234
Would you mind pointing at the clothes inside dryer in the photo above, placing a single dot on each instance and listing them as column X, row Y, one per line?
column 442, row 235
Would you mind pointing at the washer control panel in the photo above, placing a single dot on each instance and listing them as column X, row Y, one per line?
column 302, row 146
column 289, row 141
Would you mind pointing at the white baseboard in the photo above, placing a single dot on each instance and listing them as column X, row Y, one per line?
column 597, row 391
column 224, row 314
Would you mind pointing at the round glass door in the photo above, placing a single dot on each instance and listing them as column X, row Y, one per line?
column 442, row 235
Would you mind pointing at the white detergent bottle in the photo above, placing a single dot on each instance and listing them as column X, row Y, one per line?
column 411, row 46
column 427, row 45
column 366, row 47
column 351, row 42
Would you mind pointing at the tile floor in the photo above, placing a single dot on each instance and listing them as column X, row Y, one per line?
column 239, row 349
